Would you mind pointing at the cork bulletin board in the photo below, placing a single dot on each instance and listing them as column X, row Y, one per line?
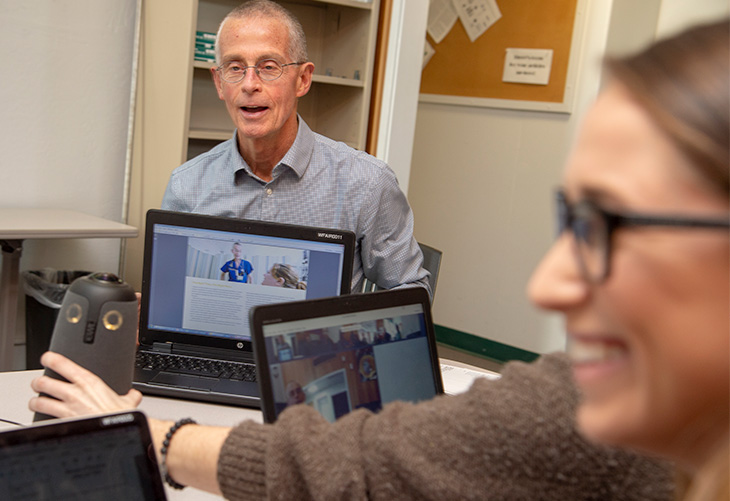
column 471, row 73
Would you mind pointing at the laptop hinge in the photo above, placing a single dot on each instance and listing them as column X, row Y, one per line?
column 162, row 347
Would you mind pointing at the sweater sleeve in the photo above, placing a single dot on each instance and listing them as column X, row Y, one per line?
column 508, row 439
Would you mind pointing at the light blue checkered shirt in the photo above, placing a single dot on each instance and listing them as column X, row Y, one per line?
column 319, row 182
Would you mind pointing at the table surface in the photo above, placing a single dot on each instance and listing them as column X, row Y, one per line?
column 24, row 223
column 17, row 392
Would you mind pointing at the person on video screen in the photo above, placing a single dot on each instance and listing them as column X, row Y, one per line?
column 283, row 275
column 237, row 269
column 295, row 394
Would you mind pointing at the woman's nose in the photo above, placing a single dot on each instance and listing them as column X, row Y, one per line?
column 556, row 283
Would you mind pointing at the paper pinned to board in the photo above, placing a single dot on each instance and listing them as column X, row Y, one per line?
column 529, row 66
column 477, row 16
column 428, row 52
column 441, row 18
column 459, row 379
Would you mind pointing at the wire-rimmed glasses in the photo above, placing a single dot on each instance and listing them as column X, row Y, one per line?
column 592, row 228
column 267, row 70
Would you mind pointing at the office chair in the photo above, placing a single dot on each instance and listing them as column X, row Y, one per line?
column 431, row 261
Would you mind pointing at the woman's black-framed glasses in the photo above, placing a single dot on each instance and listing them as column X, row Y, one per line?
column 267, row 70
column 592, row 228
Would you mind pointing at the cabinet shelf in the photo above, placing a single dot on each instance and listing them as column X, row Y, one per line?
column 357, row 4
column 202, row 65
column 349, row 82
column 210, row 134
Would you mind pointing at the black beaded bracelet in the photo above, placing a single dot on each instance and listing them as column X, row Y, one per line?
column 166, row 445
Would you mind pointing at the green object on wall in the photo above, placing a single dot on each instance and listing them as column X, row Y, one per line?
column 482, row 347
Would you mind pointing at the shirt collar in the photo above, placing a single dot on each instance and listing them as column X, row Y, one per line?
column 297, row 158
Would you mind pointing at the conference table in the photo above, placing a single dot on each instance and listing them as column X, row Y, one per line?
column 16, row 391
column 17, row 225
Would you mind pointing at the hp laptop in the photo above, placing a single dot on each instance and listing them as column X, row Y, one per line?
column 344, row 353
column 201, row 276
column 107, row 458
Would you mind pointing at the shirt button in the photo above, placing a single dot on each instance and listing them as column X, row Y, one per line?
column 269, row 191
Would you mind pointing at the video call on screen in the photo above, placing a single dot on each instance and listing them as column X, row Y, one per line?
column 198, row 288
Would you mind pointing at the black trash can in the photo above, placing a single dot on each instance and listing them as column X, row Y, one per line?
column 44, row 293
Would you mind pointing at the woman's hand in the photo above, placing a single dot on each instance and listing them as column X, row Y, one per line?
column 84, row 394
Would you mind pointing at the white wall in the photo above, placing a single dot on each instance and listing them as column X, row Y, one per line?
column 400, row 89
column 632, row 25
column 481, row 190
column 482, row 180
column 676, row 15
column 63, row 127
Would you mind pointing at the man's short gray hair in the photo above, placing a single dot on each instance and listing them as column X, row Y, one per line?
column 268, row 9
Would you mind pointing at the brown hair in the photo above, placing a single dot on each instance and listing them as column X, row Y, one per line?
column 683, row 83
column 288, row 275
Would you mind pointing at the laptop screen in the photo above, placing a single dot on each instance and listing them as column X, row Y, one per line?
column 108, row 457
column 204, row 273
column 337, row 355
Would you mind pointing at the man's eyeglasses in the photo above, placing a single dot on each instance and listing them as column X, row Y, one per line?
column 593, row 227
column 267, row 70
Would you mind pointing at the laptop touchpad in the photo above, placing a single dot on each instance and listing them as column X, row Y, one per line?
column 183, row 381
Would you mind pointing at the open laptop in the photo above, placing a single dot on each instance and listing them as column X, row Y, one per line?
column 109, row 457
column 340, row 354
column 201, row 276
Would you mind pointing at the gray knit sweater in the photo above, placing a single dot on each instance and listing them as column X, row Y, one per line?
column 511, row 439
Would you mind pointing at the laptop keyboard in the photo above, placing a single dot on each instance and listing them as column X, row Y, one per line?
column 203, row 367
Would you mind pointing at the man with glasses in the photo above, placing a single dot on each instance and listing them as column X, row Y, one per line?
column 276, row 168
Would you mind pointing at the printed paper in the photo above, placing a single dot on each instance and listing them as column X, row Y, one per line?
column 477, row 16
column 530, row 66
column 441, row 18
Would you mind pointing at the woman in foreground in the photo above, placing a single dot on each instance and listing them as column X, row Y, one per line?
column 641, row 271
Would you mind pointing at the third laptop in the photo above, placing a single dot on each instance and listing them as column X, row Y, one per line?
column 344, row 353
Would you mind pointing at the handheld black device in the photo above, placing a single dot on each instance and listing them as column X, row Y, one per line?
column 96, row 328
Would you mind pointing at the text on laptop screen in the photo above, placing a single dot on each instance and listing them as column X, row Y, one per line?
column 205, row 281
column 97, row 464
column 340, row 363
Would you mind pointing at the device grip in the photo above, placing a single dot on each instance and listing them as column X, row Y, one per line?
column 97, row 329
